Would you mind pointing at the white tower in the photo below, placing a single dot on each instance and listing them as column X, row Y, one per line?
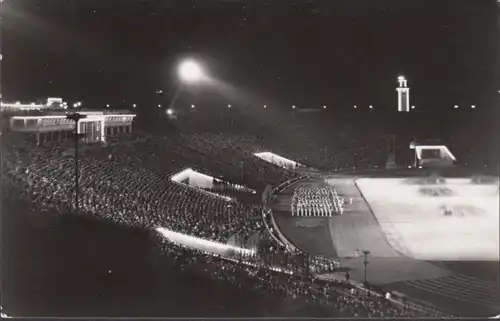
column 403, row 95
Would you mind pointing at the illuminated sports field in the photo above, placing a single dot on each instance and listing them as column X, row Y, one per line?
column 413, row 220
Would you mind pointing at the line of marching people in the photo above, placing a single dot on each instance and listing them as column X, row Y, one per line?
column 323, row 202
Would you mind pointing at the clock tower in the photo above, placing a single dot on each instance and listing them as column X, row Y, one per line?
column 403, row 95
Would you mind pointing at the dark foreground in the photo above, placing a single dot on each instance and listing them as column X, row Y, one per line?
column 76, row 266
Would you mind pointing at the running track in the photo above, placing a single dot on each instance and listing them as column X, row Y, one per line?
column 431, row 282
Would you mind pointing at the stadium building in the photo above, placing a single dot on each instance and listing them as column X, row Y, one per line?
column 47, row 121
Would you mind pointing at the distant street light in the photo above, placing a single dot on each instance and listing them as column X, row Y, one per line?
column 293, row 106
column 456, row 106
column 355, row 106
column 228, row 106
column 159, row 106
column 170, row 111
column 473, row 106
column 265, row 106
column 107, row 105
column 134, row 105
column 324, row 107
column 371, row 107
column 192, row 106
column 412, row 107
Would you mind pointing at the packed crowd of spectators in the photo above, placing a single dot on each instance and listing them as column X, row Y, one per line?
column 125, row 193
column 340, row 297
column 128, row 182
column 322, row 201
column 213, row 155
column 251, row 171
column 234, row 191
column 331, row 144
column 356, row 141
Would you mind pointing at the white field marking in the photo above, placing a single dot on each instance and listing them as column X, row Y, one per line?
column 422, row 228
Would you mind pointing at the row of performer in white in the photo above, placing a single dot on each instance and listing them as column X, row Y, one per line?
column 323, row 201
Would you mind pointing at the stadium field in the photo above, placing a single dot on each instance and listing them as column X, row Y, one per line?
column 454, row 278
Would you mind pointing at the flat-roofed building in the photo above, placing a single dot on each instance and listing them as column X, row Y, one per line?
column 45, row 123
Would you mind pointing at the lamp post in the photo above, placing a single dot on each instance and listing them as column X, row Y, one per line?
column 76, row 117
column 365, row 262
column 241, row 169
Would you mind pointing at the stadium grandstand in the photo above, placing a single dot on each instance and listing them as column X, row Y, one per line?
column 249, row 159
column 214, row 206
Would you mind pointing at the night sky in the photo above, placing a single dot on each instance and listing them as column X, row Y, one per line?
column 306, row 53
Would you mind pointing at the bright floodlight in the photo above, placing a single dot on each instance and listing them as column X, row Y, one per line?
column 190, row 71
column 170, row 111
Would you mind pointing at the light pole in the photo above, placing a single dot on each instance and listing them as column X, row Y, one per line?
column 365, row 262
column 76, row 117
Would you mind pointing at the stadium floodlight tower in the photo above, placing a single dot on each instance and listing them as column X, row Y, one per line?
column 191, row 71
column 76, row 117
column 403, row 95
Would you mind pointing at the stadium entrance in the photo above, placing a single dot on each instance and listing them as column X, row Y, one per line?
column 92, row 131
column 428, row 156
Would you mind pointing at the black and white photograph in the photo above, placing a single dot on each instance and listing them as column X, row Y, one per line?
column 249, row 159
